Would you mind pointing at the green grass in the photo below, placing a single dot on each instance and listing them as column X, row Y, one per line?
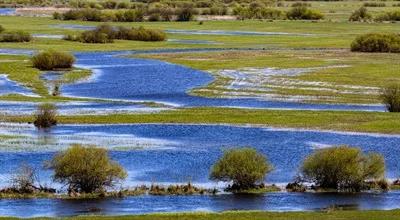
column 253, row 215
column 388, row 123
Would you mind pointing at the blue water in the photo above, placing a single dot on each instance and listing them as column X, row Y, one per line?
column 8, row 86
column 180, row 153
column 7, row 11
column 195, row 32
column 149, row 204
column 122, row 78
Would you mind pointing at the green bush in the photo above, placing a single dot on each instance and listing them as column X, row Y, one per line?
column 15, row 36
column 86, row 169
column 107, row 34
column 342, row 168
column 186, row 14
column 245, row 167
column 257, row 13
column 303, row 13
column 376, row 42
column 52, row 60
column 374, row 4
column 45, row 116
column 391, row 98
column 360, row 14
column 1, row 29
column 389, row 16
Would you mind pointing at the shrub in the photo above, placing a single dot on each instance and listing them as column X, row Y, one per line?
column 389, row 16
column 107, row 34
column 244, row 167
column 360, row 14
column 301, row 4
column 45, row 116
column 303, row 13
column 15, row 36
column 86, row 169
column 375, row 42
column 186, row 14
column 391, row 98
column 374, row 4
column 342, row 168
column 1, row 29
column 257, row 13
column 51, row 60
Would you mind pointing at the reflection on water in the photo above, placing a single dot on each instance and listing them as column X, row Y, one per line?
column 147, row 204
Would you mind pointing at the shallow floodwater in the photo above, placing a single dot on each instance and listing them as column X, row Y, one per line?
column 121, row 78
column 7, row 11
column 180, row 153
column 149, row 204
column 8, row 86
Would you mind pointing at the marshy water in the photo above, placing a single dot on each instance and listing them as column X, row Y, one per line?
column 179, row 153
column 171, row 153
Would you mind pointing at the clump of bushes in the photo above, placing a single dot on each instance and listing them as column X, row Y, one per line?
column 376, row 42
column 15, row 36
column 374, row 4
column 106, row 34
column 45, row 116
column 343, row 168
column 186, row 189
column 391, row 98
column 389, row 16
column 1, row 29
column 86, row 169
column 244, row 167
column 258, row 13
column 89, row 14
column 52, row 60
column 186, row 14
column 360, row 14
column 303, row 13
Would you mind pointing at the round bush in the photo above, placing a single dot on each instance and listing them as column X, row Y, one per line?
column 52, row 60
column 245, row 167
column 342, row 168
column 391, row 98
column 86, row 169
column 376, row 42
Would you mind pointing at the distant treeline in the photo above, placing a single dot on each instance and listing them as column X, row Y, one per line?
column 253, row 11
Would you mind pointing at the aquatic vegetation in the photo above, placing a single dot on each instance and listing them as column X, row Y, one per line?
column 391, row 98
column 245, row 167
column 46, row 116
column 53, row 60
column 185, row 189
column 86, row 169
column 343, row 168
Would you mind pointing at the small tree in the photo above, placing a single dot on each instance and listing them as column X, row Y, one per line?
column 360, row 14
column 245, row 167
column 342, row 168
column 23, row 181
column 86, row 169
column 391, row 98
column 45, row 116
